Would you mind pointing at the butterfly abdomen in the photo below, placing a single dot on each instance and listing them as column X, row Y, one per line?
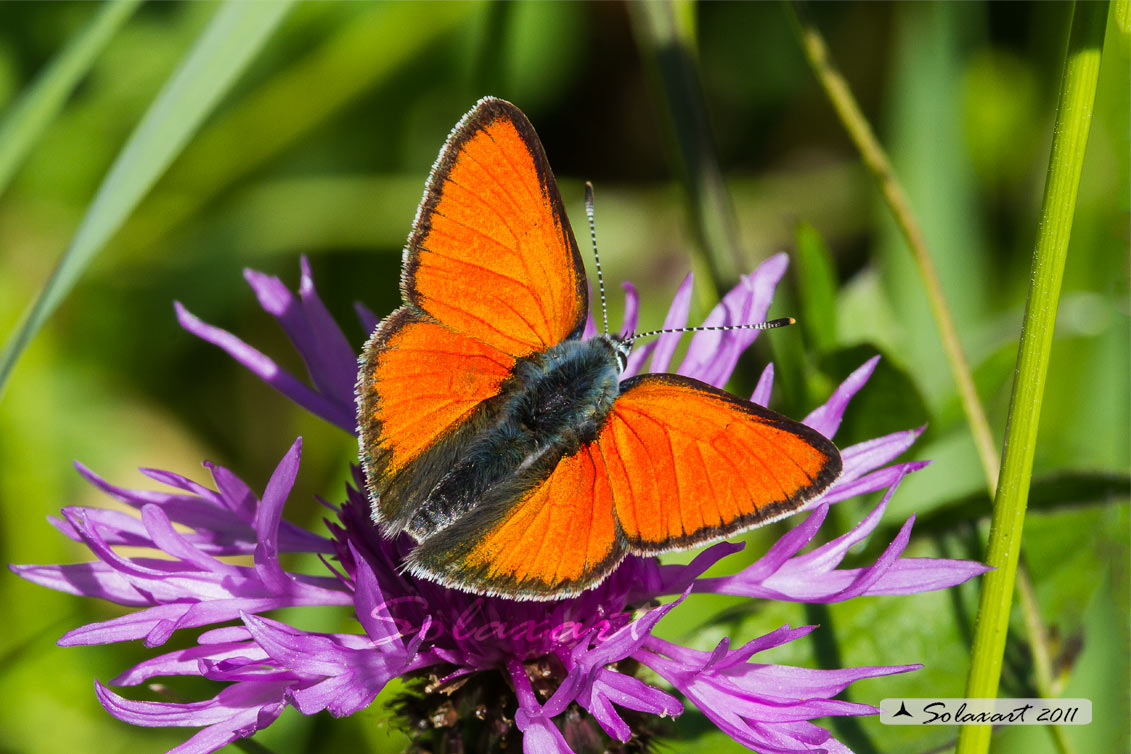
column 555, row 402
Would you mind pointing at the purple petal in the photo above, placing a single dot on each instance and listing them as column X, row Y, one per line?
column 312, row 654
column 625, row 640
column 268, row 371
column 330, row 362
column 267, row 521
column 181, row 482
column 156, row 624
column 224, row 635
column 829, row 555
column 118, row 527
column 183, row 509
column 915, row 575
column 254, row 667
column 91, row 536
column 372, row 609
column 871, row 454
column 126, row 628
column 336, row 358
column 712, row 355
column 590, row 328
column 365, row 315
column 781, row 574
column 788, row 545
column 767, row 708
column 85, row 580
column 636, row 358
column 169, row 540
column 631, row 309
column 236, row 712
column 273, row 296
column 798, row 584
column 843, row 489
column 238, row 497
column 675, row 319
column 187, row 661
column 675, row 579
column 222, row 521
column 697, row 659
column 764, row 387
column 340, row 694
column 805, row 683
column 585, row 662
column 539, row 734
column 826, row 419
column 353, row 669
column 610, row 687
column 235, row 495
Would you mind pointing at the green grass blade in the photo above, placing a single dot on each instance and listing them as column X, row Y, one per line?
column 359, row 55
column 816, row 287
column 1049, row 495
column 43, row 100
column 664, row 33
column 236, row 32
column 1070, row 137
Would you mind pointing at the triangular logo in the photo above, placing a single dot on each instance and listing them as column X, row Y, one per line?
column 902, row 711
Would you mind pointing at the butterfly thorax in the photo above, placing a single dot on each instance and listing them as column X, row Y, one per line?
column 556, row 401
column 566, row 392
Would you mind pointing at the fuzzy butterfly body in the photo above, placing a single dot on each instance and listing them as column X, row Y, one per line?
column 507, row 446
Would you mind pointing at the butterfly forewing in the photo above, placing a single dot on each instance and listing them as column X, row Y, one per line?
column 492, row 253
column 491, row 272
column 420, row 382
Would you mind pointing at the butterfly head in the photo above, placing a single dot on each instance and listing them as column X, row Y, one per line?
column 621, row 349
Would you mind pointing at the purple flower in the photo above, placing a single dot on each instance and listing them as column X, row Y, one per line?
column 566, row 667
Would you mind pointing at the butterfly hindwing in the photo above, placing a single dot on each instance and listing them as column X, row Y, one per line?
column 492, row 253
column 689, row 463
column 553, row 539
column 421, row 387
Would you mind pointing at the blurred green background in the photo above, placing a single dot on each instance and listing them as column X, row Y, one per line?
column 321, row 147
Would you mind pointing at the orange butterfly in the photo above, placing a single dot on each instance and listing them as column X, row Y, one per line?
column 506, row 445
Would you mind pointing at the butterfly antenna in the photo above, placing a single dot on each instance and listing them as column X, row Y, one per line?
column 596, row 256
column 772, row 324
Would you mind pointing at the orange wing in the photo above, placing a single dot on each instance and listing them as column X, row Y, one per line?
column 491, row 253
column 677, row 463
column 559, row 538
column 689, row 463
column 421, row 385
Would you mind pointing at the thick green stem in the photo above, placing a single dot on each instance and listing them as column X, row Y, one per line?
column 1042, row 655
column 226, row 46
column 1070, row 137
column 876, row 160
